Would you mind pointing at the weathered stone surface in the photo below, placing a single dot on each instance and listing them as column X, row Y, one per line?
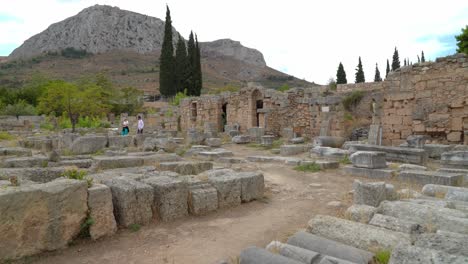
column 329, row 247
column 405, row 254
column 369, row 193
column 416, row 141
column 170, row 197
column 241, row 139
column 101, row 211
column 327, row 164
column 289, row 150
column 202, row 199
column 88, row 144
column 327, row 141
column 368, row 159
column 428, row 216
column 120, row 142
column 254, row 255
column 300, row 254
column 25, row 162
column 229, row 189
column 185, row 167
column 459, row 194
column 41, row 175
column 155, row 144
column 369, row 173
column 132, row 201
column 296, row 140
column 104, row 163
column 113, row 153
column 436, row 190
column 213, row 142
column 405, row 167
column 360, row 213
column 330, row 152
column 455, row 159
column 447, row 242
column 195, row 137
column 431, row 177
column 231, row 160
column 214, row 154
column 396, row 154
column 40, row 217
column 79, row 163
column 275, row 159
column 267, row 140
column 256, row 134
column 15, row 152
column 396, row 224
column 435, row 150
column 355, row 234
column 252, row 185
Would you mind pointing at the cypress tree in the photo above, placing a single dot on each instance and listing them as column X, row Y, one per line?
column 191, row 57
column 387, row 70
column 166, row 68
column 360, row 73
column 396, row 60
column 422, row 57
column 181, row 65
column 341, row 75
column 377, row 77
column 198, row 71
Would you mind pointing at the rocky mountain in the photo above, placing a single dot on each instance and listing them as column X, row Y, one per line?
column 105, row 31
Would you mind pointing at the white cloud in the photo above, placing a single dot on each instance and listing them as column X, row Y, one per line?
column 308, row 38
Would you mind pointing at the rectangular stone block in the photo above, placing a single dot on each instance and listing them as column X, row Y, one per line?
column 229, row 189
column 185, row 167
column 15, row 152
column 252, row 185
column 101, row 211
column 120, row 142
column 396, row 154
column 202, row 199
column 455, row 159
column 289, row 150
column 132, row 201
column 431, row 177
column 370, row 173
column 106, row 163
column 368, row 159
column 170, row 197
column 25, row 162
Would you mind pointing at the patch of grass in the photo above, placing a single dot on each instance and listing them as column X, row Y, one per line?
column 277, row 143
column 283, row 88
column 44, row 164
column 80, row 175
column 134, row 227
column 84, row 228
column 6, row 136
column 347, row 116
column 181, row 152
column 312, row 167
column 382, row 256
column 345, row 160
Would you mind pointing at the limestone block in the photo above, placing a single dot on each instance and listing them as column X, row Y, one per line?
column 213, row 142
column 88, row 144
column 25, row 162
column 170, row 197
column 255, row 255
column 202, row 199
column 40, row 217
column 360, row 213
column 368, row 159
column 297, row 140
column 431, row 177
column 267, row 140
column 15, row 151
column 288, row 150
column 214, row 154
column 120, row 142
column 101, row 211
column 105, row 163
column 328, row 141
column 448, row 242
column 229, row 189
column 330, row 152
column 396, row 224
column 241, row 139
column 252, row 185
column 455, row 159
column 404, row 167
column 405, row 254
column 454, row 136
column 416, row 141
column 369, row 173
column 355, row 234
column 185, row 167
column 132, row 201
column 370, row 193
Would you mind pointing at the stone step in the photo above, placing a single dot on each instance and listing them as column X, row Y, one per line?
column 406, row 254
column 255, row 255
column 329, row 247
column 15, row 152
column 431, row 177
column 25, row 162
column 366, row 237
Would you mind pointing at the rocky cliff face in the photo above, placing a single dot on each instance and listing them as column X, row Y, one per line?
column 99, row 29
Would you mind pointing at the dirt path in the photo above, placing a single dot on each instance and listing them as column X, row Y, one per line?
column 290, row 202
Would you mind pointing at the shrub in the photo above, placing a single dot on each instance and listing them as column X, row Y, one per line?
column 382, row 256
column 78, row 175
column 332, row 84
column 73, row 53
column 6, row 136
column 134, row 227
column 312, row 167
column 347, row 116
column 84, row 228
column 352, row 100
column 20, row 108
column 179, row 96
column 283, row 88
column 345, row 160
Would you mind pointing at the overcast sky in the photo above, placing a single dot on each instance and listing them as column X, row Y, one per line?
column 303, row 38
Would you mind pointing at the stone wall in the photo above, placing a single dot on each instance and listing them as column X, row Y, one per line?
column 368, row 86
column 22, row 123
column 429, row 99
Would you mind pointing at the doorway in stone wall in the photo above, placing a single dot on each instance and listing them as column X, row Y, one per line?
column 224, row 117
column 259, row 105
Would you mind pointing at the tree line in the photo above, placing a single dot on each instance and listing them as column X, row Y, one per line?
column 180, row 72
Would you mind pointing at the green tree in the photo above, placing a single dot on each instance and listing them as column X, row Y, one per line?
column 360, row 73
column 462, row 41
column 192, row 56
column 423, row 59
column 127, row 100
column 85, row 99
column 198, row 69
column 396, row 60
column 377, row 77
column 20, row 108
column 387, row 70
column 341, row 75
column 181, row 65
column 166, row 69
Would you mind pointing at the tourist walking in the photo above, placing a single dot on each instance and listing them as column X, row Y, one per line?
column 141, row 124
column 125, row 129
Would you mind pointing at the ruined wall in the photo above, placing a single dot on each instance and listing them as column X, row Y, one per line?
column 22, row 123
column 368, row 86
column 429, row 98
column 196, row 111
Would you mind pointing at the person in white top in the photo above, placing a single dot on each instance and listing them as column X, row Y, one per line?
column 125, row 129
column 141, row 124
